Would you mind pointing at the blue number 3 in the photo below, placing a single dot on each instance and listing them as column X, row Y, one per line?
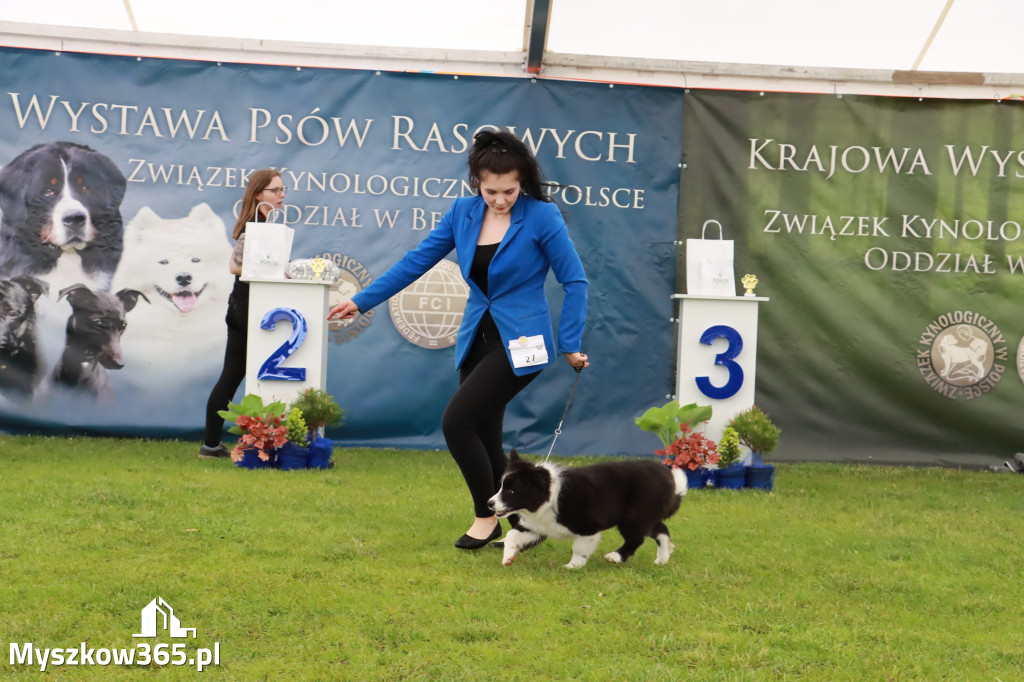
column 271, row 368
column 725, row 359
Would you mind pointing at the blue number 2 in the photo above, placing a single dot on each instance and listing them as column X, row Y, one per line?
column 725, row 359
column 271, row 368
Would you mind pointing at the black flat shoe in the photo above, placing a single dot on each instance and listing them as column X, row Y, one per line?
column 467, row 542
column 213, row 452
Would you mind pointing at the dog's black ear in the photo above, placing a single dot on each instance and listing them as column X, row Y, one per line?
column 12, row 187
column 78, row 295
column 513, row 456
column 34, row 287
column 16, row 180
column 129, row 297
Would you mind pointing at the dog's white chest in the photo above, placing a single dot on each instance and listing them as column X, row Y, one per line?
column 544, row 521
column 69, row 270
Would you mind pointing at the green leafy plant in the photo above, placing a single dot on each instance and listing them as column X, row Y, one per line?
column 251, row 405
column 296, row 428
column 318, row 409
column 756, row 430
column 666, row 422
column 728, row 448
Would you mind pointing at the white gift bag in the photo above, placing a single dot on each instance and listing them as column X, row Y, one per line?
column 709, row 265
column 268, row 248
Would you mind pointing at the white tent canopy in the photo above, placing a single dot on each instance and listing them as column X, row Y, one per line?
column 958, row 48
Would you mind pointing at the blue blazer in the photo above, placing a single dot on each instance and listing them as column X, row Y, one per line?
column 536, row 241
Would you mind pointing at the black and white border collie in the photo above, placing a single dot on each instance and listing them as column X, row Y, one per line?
column 62, row 218
column 635, row 496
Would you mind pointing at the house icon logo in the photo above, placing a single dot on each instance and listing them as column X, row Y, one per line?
column 158, row 611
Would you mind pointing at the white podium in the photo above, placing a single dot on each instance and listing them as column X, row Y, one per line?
column 717, row 358
column 287, row 344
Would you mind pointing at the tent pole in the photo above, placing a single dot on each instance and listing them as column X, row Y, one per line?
column 928, row 43
column 131, row 15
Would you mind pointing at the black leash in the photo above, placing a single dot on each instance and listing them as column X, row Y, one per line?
column 558, row 429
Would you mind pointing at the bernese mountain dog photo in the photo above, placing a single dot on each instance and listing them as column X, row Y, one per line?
column 62, row 221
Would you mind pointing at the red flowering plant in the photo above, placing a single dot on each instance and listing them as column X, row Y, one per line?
column 259, row 426
column 261, row 433
column 691, row 450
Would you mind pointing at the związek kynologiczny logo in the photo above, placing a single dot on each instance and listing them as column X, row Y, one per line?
column 962, row 354
column 157, row 615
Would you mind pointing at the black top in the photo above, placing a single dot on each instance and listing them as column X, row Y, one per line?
column 478, row 273
column 481, row 262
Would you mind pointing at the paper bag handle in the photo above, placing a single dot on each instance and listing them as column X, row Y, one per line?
column 272, row 211
column 705, row 227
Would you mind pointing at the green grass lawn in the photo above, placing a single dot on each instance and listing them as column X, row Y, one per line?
column 842, row 573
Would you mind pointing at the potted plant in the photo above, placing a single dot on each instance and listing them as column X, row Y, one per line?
column 756, row 431
column 319, row 411
column 259, row 428
column 295, row 453
column 692, row 452
column 684, row 448
column 731, row 473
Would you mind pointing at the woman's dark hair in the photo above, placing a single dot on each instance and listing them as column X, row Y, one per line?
column 501, row 152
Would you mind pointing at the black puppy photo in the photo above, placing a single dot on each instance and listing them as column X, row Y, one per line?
column 635, row 496
column 20, row 358
column 93, row 344
column 61, row 206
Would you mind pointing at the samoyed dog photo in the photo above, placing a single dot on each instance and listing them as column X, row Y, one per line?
column 181, row 265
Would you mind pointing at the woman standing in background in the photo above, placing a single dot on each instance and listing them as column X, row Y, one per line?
column 264, row 193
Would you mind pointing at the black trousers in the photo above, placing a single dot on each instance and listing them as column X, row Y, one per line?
column 473, row 421
column 233, row 373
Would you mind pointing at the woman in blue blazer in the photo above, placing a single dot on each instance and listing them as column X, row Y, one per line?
column 507, row 239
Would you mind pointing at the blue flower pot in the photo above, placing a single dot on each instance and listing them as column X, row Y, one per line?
column 320, row 451
column 697, row 478
column 251, row 460
column 761, row 478
column 730, row 478
column 292, row 456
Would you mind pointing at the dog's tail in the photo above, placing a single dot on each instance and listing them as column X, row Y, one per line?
column 680, row 478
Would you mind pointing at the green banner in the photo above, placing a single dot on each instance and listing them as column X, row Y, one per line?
column 888, row 234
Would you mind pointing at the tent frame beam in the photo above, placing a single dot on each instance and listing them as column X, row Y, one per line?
column 538, row 20
column 654, row 72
